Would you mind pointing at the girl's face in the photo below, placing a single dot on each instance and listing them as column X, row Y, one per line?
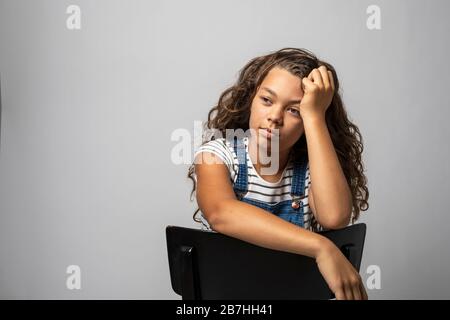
column 276, row 106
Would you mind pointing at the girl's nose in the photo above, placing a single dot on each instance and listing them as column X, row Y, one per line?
column 276, row 115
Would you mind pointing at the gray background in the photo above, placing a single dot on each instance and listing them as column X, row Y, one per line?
column 86, row 176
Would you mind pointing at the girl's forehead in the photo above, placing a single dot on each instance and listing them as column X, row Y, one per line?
column 277, row 74
column 281, row 81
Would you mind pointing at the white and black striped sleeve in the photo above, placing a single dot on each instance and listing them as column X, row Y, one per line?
column 218, row 148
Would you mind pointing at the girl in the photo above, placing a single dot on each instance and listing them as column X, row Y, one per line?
column 288, row 97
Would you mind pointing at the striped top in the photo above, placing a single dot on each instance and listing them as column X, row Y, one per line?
column 258, row 188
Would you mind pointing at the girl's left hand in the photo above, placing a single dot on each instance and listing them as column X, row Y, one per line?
column 318, row 90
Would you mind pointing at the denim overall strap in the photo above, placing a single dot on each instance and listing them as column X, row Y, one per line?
column 298, row 180
column 240, row 187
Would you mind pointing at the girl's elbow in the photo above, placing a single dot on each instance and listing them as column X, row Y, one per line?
column 335, row 221
column 216, row 218
column 214, row 222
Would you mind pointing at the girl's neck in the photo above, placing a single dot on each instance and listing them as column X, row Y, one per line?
column 283, row 158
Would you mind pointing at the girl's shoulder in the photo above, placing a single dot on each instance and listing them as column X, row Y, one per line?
column 221, row 146
column 224, row 150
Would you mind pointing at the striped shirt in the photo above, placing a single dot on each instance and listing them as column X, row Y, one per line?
column 258, row 188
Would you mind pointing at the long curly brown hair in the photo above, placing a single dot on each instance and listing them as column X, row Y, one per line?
column 233, row 112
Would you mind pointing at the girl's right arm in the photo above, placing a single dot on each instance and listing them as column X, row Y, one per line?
column 229, row 216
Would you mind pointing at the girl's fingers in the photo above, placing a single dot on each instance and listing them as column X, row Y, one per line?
column 330, row 75
column 324, row 75
column 349, row 293
column 307, row 83
column 357, row 292
column 317, row 77
column 363, row 292
column 339, row 294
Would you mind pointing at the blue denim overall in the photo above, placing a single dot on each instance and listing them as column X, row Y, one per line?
column 289, row 210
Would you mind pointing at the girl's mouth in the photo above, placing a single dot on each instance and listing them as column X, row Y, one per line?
column 267, row 133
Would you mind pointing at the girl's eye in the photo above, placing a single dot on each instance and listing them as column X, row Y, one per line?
column 296, row 112
column 266, row 100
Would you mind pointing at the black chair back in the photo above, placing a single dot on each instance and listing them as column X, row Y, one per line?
column 209, row 265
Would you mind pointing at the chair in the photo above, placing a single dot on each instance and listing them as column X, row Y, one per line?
column 205, row 265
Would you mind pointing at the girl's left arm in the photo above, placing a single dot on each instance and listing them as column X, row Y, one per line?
column 331, row 200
